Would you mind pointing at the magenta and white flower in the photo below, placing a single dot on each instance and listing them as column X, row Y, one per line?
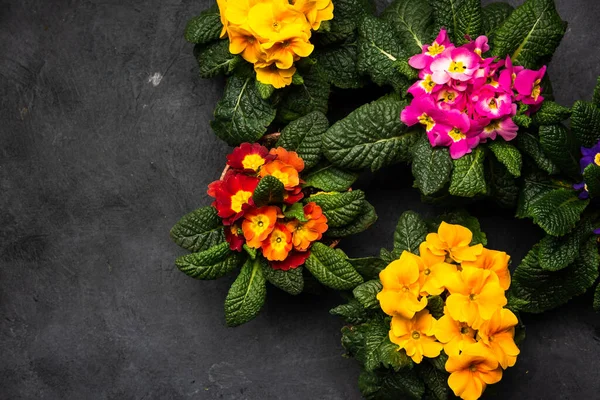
column 459, row 64
column 431, row 51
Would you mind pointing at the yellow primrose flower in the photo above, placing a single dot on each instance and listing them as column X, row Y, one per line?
column 244, row 42
column 288, row 49
column 453, row 241
column 496, row 261
column 433, row 272
column 453, row 334
column 222, row 4
column 475, row 295
column 316, row 11
column 499, row 335
column 238, row 10
column 269, row 74
column 415, row 336
column 276, row 19
column 401, row 289
column 472, row 371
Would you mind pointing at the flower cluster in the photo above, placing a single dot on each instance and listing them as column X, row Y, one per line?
column 475, row 331
column 464, row 99
column 284, row 241
column 589, row 156
column 272, row 34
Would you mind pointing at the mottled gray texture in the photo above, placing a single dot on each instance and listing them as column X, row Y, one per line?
column 98, row 159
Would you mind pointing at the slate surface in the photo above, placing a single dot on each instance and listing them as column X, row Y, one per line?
column 105, row 143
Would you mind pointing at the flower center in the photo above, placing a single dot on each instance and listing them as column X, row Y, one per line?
column 464, row 330
column 492, row 127
column 597, row 159
column 473, row 368
column 260, row 224
column 537, row 90
column 276, row 26
column 435, row 49
column 457, row 66
column 239, row 199
column 427, row 84
column 493, row 104
column 405, row 289
column 416, row 335
column 253, row 162
column 427, row 271
column 456, row 135
column 278, row 240
column 426, row 120
column 472, row 297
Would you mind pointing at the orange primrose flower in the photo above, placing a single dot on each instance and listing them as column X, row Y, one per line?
column 275, row 19
column 258, row 224
column 401, row 289
column 278, row 244
column 499, row 335
column 288, row 157
column 285, row 173
column 472, row 371
column 453, row 242
column 433, row 272
column 415, row 336
column 316, row 11
column 237, row 11
column 242, row 41
column 453, row 334
column 475, row 295
column 222, row 4
column 288, row 49
column 305, row 233
column 495, row 261
column 269, row 74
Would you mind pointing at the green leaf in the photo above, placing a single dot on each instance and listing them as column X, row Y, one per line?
column 508, row 155
column 388, row 256
column 215, row 59
column 304, row 136
column 339, row 208
column 431, row 166
column 353, row 312
column 556, row 253
column 530, row 145
column 591, row 176
column 332, row 268
column 585, row 123
column 445, row 15
column 246, row 295
column 269, row 190
column 493, row 16
column 368, row 267
column 371, row 136
column 403, row 385
column 412, row 20
column 535, row 185
column 212, row 263
column 310, row 95
column 198, row 230
column 435, row 305
column 380, row 351
column 204, row 28
column 366, row 294
column 365, row 219
column 410, row 232
column 241, row 115
column 353, row 337
column 531, row 34
column 522, row 120
column 469, row 22
column 515, row 304
column 558, row 211
column 596, row 97
column 264, row 90
column 597, row 298
column 347, row 16
column 250, row 251
column 468, row 176
column 435, row 381
column 551, row 113
column 290, row 281
column 546, row 290
column 296, row 210
column 379, row 52
column 339, row 65
column 330, row 178
column 502, row 186
column 559, row 146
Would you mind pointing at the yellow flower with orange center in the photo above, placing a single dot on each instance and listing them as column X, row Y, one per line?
column 278, row 244
column 475, row 295
column 287, row 50
column 316, row 11
column 433, row 272
column 242, row 41
column 305, row 233
column 472, row 371
column 269, row 74
column 495, row 261
column 284, row 172
column 453, row 241
column 276, row 19
column 258, row 224
column 415, row 336
column 499, row 335
column 401, row 289
column 453, row 334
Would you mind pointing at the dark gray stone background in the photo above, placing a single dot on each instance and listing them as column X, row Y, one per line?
column 97, row 163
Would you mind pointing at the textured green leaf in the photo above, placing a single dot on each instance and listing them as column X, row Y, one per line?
column 435, row 381
column 585, row 123
column 204, row 28
column 502, row 186
column 431, row 166
column 290, row 281
column 379, row 52
column 340, row 208
column 304, row 136
column 366, row 294
column 198, row 230
column 412, row 20
column 597, row 298
column 212, row 263
column 365, row 219
column 515, row 304
column 390, row 385
column 551, row 113
column 347, row 16
column 591, row 176
column 493, row 16
column 265, row 91
column 410, row 232
column 215, row 59
column 530, row 145
column 546, row 290
column 353, row 338
column 311, row 95
column 445, row 15
column 388, row 256
column 535, row 186
column 559, row 146
column 558, row 211
column 468, row 176
column 596, row 97
column 435, row 305
column 330, row 178
column 469, row 21
column 246, row 295
column 339, row 65
column 371, row 136
column 296, row 210
column 522, row 120
column 241, row 115
column 556, row 253
column 368, row 267
column 269, row 190
column 380, row 351
column 508, row 155
column 530, row 34
column 332, row 268
column 353, row 312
